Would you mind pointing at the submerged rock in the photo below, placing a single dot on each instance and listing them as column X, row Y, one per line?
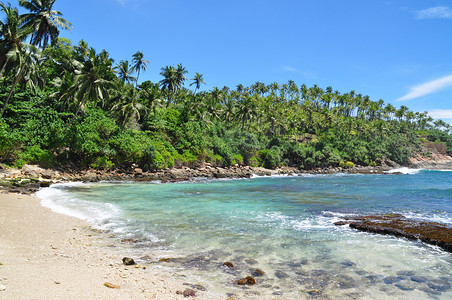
column 248, row 280
column 229, row 265
column 432, row 233
column 258, row 272
column 439, row 285
column 419, row 279
column 281, row 274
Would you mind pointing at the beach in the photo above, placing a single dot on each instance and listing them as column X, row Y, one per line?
column 45, row 255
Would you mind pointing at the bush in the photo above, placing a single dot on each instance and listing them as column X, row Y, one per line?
column 237, row 159
column 346, row 165
column 35, row 155
column 102, row 163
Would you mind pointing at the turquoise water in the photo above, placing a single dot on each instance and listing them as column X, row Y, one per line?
column 282, row 225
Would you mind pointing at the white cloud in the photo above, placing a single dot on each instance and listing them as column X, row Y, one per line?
column 438, row 12
column 427, row 88
column 441, row 113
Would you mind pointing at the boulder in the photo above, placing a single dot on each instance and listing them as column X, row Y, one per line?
column 128, row 261
column 248, row 280
column 432, row 233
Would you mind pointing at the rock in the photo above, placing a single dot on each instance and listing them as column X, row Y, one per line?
column 345, row 282
column 247, row 280
column 128, row 261
column 419, row 279
column 397, row 225
column 44, row 184
column 439, row 285
column 189, row 293
column 391, row 279
column 405, row 273
column 2, row 288
column 348, row 264
column 404, row 286
column 112, row 286
column 165, row 259
column 229, row 265
column 131, row 241
column 251, row 261
column 258, row 272
column 281, row 274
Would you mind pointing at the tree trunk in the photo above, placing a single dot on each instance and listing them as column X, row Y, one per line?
column 75, row 115
column 12, row 89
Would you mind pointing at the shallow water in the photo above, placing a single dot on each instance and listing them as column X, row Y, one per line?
column 282, row 225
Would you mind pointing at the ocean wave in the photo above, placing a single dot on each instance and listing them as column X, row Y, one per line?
column 60, row 200
column 404, row 170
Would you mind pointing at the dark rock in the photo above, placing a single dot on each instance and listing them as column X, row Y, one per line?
column 405, row 273
column 317, row 273
column 166, row 259
column 404, row 286
column 251, row 261
column 247, row 280
column 430, row 291
column 128, row 261
column 397, row 225
column 419, row 279
column 277, row 293
column 281, row 274
column 372, row 278
column 348, row 264
column 229, row 265
column 439, row 285
column 341, row 223
column 258, row 272
column 391, row 279
column 131, row 241
column 189, row 293
column 345, row 282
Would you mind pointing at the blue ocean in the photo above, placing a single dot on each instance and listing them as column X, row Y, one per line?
column 283, row 226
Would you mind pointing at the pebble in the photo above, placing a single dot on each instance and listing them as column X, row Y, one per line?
column 2, row 288
column 281, row 274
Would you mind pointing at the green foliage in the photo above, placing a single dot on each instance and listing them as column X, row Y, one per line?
column 102, row 162
column 271, row 158
column 35, row 155
column 346, row 165
column 237, row 159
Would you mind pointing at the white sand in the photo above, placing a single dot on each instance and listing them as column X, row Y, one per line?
column 45, row 255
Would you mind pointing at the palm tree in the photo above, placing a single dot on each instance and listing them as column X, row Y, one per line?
column 197, row 81
column 128, row 110
column 44, row 20
column 89, row 82
column 15, row 54
column 139, row 64
column 124, row 71
column 173, row 80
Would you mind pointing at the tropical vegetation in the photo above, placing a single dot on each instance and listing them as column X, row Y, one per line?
column 64, row 103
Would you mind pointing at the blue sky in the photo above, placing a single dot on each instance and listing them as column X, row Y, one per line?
column 398, row 51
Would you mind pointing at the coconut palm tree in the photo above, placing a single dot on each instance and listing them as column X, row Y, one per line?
column 197, row 81
column 128, row 110
column 139, row 64
column 44, row 20
column 124, row 71
column 90, row 83
column 15, row 53
column 173, row 80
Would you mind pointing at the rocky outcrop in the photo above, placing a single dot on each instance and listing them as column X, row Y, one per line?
column 397, row 225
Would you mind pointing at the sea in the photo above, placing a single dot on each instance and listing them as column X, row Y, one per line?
column 280, row 230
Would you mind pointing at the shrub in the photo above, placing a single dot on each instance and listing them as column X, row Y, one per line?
column 35, row 155
column 102, row 163
column 346, row 165
column 237, row 159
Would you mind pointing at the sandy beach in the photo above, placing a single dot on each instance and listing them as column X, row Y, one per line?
column 45, row 255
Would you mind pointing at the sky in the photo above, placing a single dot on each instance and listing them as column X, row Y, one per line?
column 398, row 51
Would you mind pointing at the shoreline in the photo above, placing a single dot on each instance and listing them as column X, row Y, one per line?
column 30, row 178
column 45, row 253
